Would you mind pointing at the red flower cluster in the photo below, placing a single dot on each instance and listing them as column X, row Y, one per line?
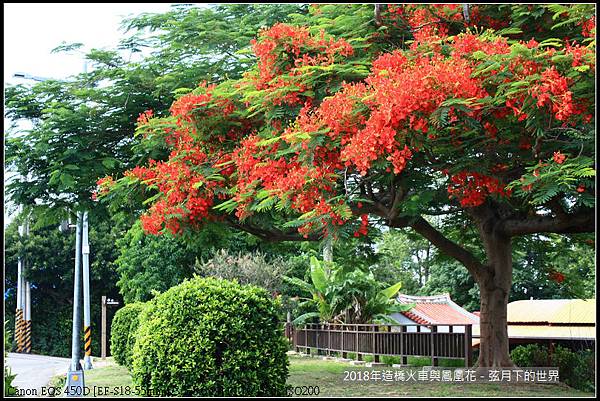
column 183, row 106
column 428, row 23
column 552, row 83
column 403, row 94
column 479, row 18
column 181, row 200
column 472, row 188
column 104, row 186
column 303, row 48
column 559, row 157
column 588, row 27
column 364, row 224
column 466, row 44
column 582, row 55
column 556, row 276
column 145, row 117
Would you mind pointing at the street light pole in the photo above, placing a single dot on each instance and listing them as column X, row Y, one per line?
column 19, row 318
column 27, row 293
column 85, row 250
column 75, row 379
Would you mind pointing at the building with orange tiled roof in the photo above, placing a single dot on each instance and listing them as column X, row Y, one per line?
column 438, row 310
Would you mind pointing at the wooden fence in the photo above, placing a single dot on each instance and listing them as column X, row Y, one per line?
column 383, row 339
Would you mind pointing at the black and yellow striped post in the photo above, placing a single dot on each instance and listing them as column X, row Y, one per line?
column 27, row 337
column 88, row 342
column 19, row 322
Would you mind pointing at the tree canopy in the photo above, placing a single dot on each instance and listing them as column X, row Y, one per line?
column 483, row 115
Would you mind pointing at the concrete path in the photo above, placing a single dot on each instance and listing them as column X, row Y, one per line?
column 35, row 371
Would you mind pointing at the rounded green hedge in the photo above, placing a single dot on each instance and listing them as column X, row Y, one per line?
column 122, row 333
column 577, row 369
column 211, row 337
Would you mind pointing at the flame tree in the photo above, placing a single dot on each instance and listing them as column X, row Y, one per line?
column 483, row 115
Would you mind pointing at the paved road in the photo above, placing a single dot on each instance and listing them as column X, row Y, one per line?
column 35, row 371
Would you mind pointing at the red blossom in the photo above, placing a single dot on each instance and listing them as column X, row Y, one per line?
column 559, row 157
column 556, row 276
column 472, row 188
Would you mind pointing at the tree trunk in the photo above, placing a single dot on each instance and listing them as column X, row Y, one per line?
column 494, row 285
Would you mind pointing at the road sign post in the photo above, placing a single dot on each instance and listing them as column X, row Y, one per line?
column 105, row 301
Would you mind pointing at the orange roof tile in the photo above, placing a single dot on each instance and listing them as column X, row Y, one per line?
column 442, row 314
column 437, row 309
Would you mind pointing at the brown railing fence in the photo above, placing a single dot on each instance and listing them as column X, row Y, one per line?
column 385, row 340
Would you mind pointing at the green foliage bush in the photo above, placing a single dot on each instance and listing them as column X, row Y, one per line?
column 577, row 369
column 9, row 389
column 211, row 337
column 246, row 268
column 123, row 332
column 530, row 355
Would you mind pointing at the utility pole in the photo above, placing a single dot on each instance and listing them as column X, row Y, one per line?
column 19, row 318
column 85, row 250
column 27, row 293
column 75, row 380
column 23, row 312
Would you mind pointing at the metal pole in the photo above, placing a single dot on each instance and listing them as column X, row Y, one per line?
column 76, row 298
column 27, row 293
column 75, row 381
column 19, row 321
column 27, row 339
column 103, row 327
column 85, row 251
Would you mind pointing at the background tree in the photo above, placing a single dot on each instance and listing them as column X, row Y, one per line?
column 82, row 126
column 50, row 255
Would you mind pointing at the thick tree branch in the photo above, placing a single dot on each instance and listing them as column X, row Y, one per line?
column 397, row 194
column 270, row 235
column 582, row 222
column 473, row 265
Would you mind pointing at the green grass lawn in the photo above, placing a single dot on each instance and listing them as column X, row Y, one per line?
column 329, row 375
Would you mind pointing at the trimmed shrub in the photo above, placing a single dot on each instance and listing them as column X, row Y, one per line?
column 211, row 337
column 123, row 332
column 531, row 355
column 576, row 369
